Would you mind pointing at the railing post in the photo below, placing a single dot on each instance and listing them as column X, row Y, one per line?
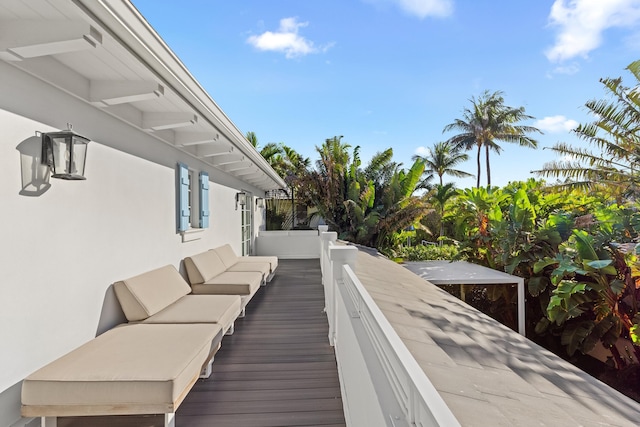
column 339, row 256
column 325, row 240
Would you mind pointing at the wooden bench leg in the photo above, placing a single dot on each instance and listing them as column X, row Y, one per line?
column 170, row 419
column 49, row 421
column 231, row 329
column 206, row 371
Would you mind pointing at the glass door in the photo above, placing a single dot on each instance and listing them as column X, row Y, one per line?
column 247, row 224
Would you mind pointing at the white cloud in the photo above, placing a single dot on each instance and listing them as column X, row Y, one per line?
column 554, row 124
column 420, row 8
column 581, row 23
column 569, row 69
column 286, row 39
column 422, row 151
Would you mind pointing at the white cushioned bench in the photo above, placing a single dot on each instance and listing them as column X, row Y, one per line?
column 208, row 275
column 133, row 369
column 266, row 265
column 162, row 296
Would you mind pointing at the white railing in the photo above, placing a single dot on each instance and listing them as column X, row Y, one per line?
column 382, row 384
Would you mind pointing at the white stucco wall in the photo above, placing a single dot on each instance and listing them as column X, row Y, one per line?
column 63, row 245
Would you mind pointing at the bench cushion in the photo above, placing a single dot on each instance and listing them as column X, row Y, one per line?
column 229, row 258
column 134, row 369
column 203, row 266
column 146, row 294
column 221, row 309
column 230, row 283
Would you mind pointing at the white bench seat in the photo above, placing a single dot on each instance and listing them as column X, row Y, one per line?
column 266, row 265
column 133, row 369
column 162, row 296
column 208, row 275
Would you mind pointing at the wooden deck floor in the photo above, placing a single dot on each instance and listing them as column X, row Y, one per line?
column 277, row 369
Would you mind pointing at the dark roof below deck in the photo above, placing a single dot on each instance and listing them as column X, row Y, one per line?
column 486, row 373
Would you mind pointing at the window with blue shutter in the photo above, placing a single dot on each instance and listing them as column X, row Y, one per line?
column 183, row 212
column 204, row 200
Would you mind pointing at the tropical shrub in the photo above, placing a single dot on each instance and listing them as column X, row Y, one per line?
column 427, row 252
column 594, row 285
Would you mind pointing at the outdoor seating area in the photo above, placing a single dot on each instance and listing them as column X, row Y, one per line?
column 149, row 365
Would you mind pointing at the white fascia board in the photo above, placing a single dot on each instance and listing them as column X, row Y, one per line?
column 22, row 39
column 104, row 93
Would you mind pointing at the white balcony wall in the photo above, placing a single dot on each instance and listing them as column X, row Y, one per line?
column 63, row 243
column 292, row 244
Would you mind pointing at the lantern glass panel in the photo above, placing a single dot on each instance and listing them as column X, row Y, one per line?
column 79, row 157
column 60, row 151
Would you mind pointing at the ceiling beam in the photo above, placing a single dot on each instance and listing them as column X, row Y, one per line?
column 184, row 139
column 227, row 159
column 162, row 121
column 30, row 39
column 238, row 166
column 213, row 150
column 104, row 93
column 249, row 171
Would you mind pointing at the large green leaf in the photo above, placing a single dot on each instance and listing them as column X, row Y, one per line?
column 600, row 329
column 574, row 334
column 603, row 265
column 537, row 285
column 538, row 266
column 617, row 286
column 584, row 245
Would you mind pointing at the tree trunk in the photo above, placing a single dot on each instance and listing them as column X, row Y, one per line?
column 488, row 168
column 478, row 161
column 441, row 226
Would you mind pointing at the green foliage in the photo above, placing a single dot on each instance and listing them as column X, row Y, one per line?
column 488, row 121
column 367, row 206
column 613, row 167
column 427, row 252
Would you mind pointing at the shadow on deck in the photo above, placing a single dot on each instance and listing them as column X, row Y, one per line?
column 277, row 369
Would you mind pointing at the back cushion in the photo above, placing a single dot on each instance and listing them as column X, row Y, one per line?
column 203, row 266
column 227, row 255
column 148, row 293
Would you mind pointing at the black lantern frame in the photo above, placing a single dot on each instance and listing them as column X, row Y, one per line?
column 65, row 153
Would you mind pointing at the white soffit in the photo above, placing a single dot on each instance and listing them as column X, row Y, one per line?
column 105, row 52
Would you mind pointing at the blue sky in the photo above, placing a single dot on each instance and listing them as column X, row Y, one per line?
column 393, row 73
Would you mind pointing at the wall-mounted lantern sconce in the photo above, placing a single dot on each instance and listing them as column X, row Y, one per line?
column 241, row 199
column 65, row 152
column 259, row 203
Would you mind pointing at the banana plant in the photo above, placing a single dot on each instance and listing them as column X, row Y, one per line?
column 589, row 283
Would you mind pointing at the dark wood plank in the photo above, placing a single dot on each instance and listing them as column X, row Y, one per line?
column 277, row 369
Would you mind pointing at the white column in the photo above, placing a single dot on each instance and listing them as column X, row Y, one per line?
column 339, row 256
column 521, row 324
column 325, row 239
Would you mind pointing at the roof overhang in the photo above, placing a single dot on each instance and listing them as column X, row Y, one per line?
column 105, row 53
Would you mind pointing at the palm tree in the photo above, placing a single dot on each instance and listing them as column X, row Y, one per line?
column 616, row 136
column 487, row 121
column 441, row 160
column 440, row 196
column 283, row 159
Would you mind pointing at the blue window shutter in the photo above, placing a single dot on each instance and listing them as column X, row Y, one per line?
column 183, row 213
column 204, row 200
